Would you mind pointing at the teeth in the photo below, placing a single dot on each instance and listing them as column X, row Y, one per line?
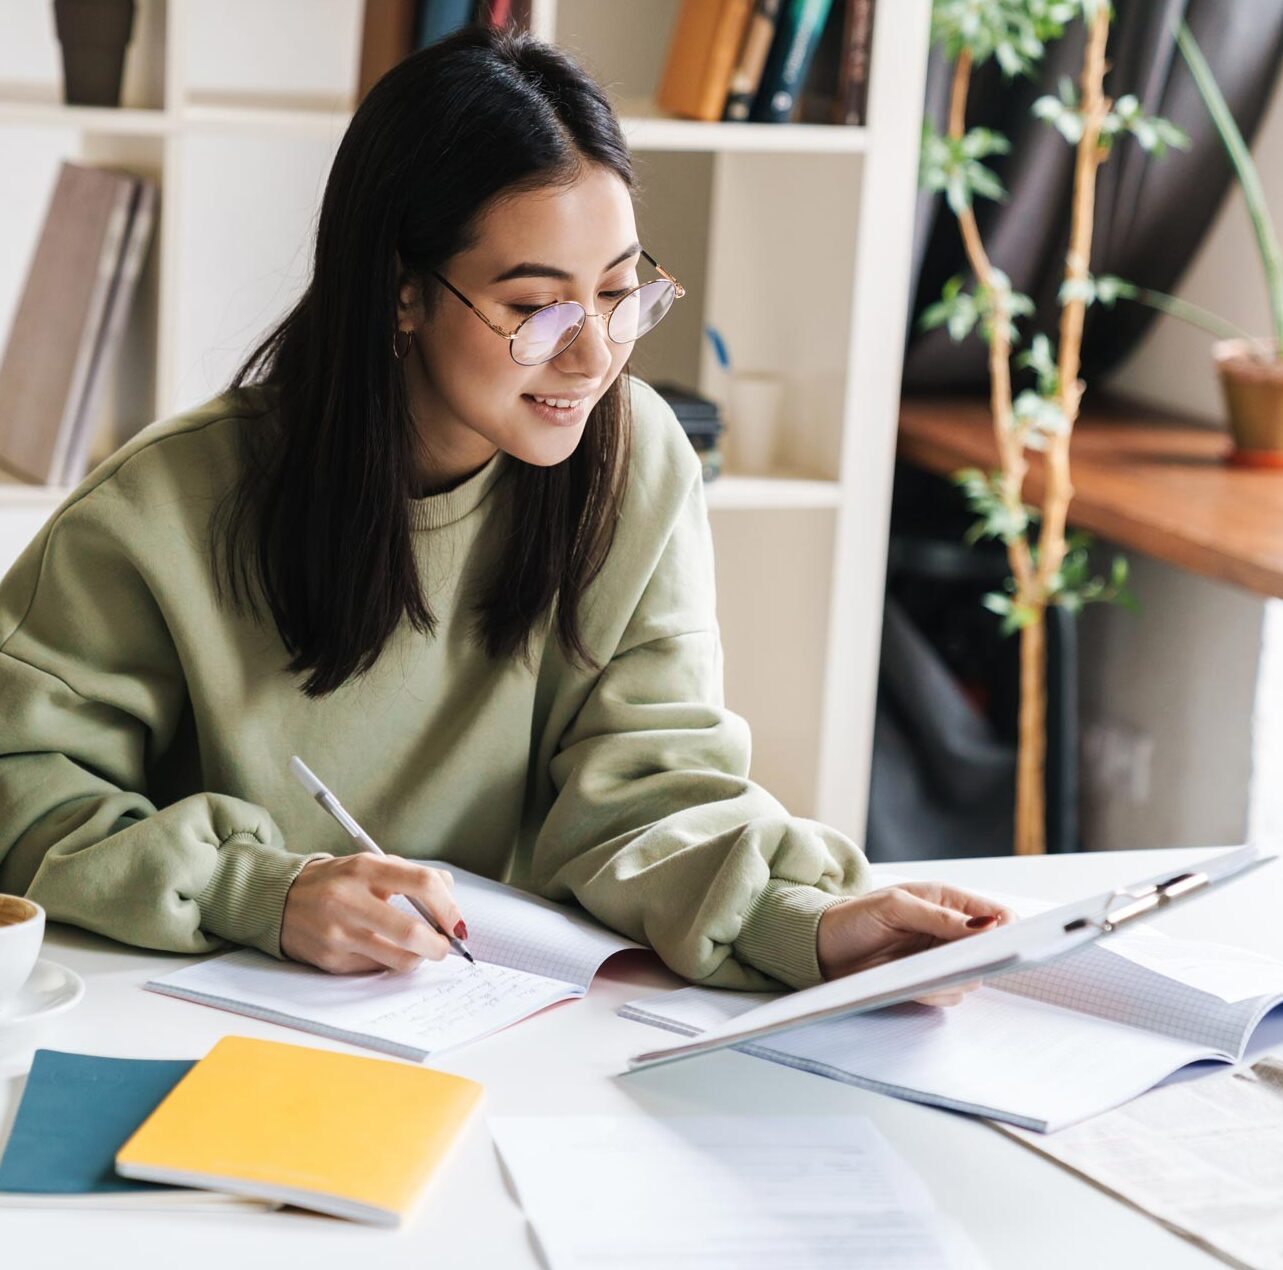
column 562, row 403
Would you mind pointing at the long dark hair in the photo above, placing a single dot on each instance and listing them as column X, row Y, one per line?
column 318, row 525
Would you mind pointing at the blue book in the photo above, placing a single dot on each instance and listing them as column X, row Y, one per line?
column 797, row 36
column 77, row 1111
column 439, row 18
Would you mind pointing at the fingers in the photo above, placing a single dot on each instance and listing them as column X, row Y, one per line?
column 911, row 912
column 337, row 915
column 431, row 887
column 949, row 996
column 963, row 901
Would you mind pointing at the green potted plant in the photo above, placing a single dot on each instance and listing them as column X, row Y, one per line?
column 1250, row 368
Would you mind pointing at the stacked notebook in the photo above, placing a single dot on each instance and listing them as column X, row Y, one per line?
column 70, row 321
column 701, row 420
column 253, row 1122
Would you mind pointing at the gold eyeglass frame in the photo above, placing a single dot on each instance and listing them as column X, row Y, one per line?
column 678, row 292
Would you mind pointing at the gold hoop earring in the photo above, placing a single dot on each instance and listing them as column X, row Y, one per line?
column 397, row 351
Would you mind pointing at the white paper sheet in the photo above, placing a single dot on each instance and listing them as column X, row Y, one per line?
column 1204, row 1157
column 723, row 1193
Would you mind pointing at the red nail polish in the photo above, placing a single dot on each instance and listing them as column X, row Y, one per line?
column 460, row 930
column 979, row 923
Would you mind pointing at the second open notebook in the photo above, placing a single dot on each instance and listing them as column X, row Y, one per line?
column 530, row 954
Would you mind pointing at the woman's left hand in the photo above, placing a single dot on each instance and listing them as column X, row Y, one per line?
column 896, row 921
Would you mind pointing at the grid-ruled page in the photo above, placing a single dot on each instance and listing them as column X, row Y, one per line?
column 511, row 928
column 995, row 1054
column 1094, row 980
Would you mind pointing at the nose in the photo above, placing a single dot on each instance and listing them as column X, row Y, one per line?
column 590, row 355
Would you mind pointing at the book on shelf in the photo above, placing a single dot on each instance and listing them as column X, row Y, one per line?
column 702, row 54
column 817, row 99
column 851, row 103
column 69, row 320
column 387, row 37
column 120, row 301
column 438, row 19
column 337, row 1133
column 797, row 36
column 747, row 74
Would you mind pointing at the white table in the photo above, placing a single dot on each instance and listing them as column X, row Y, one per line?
column 1021, row 1210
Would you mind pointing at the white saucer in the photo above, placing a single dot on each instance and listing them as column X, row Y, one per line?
column 50, row 990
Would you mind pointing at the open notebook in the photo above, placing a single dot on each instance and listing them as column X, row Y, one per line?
column 530, row 953
column 1041, row 1048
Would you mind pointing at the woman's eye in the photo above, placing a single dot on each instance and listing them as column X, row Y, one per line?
column 527, row 308
column 614, row 295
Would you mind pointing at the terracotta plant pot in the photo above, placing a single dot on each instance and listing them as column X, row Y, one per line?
column 1252, row 380
column 94, row 35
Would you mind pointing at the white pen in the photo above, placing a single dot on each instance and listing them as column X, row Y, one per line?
column 364, row 842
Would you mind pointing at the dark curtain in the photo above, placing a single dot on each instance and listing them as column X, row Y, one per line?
column 1151, row 213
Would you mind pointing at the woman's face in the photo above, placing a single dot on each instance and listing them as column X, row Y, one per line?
column 468, row 395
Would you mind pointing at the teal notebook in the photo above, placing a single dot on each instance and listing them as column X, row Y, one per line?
column 77, row 1111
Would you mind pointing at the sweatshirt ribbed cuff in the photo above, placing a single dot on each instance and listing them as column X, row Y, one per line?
column 780, row 930
column 245, row 896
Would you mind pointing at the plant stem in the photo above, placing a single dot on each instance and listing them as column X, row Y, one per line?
column 1010, row 454
column 1241, row 157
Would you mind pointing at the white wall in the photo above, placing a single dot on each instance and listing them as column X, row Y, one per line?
column 1184, row 674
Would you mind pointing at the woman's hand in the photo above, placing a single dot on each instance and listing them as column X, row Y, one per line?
column 337, row 914
column 898, row 920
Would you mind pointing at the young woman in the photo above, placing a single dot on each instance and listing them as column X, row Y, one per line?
column 436, row 541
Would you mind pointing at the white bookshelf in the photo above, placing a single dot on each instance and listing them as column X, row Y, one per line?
column 793, row 240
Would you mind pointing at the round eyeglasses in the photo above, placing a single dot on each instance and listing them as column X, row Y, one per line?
column 549, row 331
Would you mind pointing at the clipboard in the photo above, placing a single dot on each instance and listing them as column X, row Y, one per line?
column 1032, row 941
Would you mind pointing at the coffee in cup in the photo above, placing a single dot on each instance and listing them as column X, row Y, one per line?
column 22, row 927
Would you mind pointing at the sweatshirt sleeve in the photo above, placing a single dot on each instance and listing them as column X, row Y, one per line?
column 656, row 828
column 91, row 692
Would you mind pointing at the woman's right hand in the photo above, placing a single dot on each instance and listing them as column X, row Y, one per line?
column 337, row 914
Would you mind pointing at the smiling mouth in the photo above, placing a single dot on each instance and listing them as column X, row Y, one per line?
column 557, row 403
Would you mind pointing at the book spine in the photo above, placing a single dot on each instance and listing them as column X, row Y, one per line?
column 119, row 303
column 796, row 37
column 747, row 74
column 852, row 101
column 440, row 18
column 701, row 57
column 81, row 376
column 499, row 13
column 386, row 38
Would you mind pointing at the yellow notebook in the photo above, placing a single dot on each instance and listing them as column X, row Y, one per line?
column 354, row 1137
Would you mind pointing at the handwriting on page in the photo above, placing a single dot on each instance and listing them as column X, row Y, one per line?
column 439, row 1005
column 461, row 1003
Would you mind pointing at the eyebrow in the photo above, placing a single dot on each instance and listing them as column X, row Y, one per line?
column 530, row 269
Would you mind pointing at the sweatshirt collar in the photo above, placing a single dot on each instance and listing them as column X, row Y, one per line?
column 438, row 510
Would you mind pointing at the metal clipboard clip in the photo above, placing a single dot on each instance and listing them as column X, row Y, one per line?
column 1127, row 903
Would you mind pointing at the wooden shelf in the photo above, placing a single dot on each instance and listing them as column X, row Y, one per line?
column 647, row 128
column 1141, row 480
column 766, row 493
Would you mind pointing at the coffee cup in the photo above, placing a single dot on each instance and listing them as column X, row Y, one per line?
column 22, row 927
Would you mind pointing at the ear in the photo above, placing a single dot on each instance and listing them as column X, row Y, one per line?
column 407, row 291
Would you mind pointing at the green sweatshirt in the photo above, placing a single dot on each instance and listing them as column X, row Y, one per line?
column 145, row 729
